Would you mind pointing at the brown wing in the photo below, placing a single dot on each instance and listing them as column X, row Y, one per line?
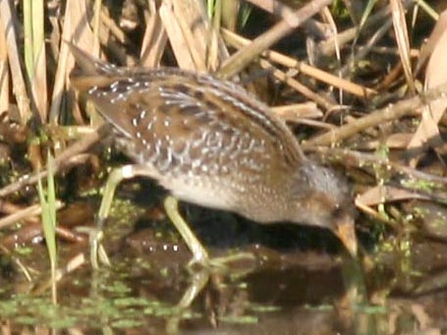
column 178, row 120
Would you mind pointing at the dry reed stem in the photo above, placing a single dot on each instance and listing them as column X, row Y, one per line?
column 186, row 54
column 389, row 113
column 297, row 112
column 189, row 33
column 4, row 74
column 24, row 214
column 75, row 27
column 238, row 41
column 403, row 41
column 320, row 99
column 435, row 74
column 382, row 193
column 154, row 39
column 18, row 79
column 264, row 41
column 35, row 55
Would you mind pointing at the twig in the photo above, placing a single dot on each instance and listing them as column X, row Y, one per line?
column 62, row 161
column 386, row 114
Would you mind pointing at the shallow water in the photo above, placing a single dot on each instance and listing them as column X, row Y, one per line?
column 298, row 281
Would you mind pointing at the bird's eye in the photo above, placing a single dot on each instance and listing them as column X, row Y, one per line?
column 337, row 212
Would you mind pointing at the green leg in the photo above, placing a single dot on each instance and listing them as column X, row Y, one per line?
column 199, row 280
column 199, row 254
column 116, row 176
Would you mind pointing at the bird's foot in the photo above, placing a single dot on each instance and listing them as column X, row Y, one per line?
column 220, row 263
column 97, row 252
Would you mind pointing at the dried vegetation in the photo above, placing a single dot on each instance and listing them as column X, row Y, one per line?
column 357, row 84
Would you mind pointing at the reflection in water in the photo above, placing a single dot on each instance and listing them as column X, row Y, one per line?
column 283, row 290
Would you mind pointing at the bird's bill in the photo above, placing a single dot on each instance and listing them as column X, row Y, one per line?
column 346, row 233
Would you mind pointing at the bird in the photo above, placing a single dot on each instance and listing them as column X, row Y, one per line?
column 210, row 142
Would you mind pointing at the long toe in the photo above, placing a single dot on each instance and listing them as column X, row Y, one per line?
column 222, row 263
column 97, row 252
